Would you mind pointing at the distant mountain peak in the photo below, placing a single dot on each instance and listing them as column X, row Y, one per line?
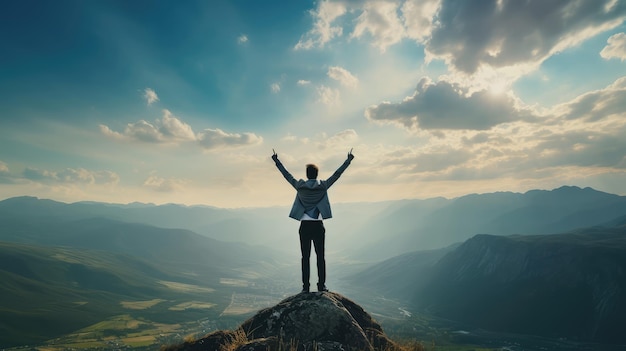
column 29, row 201
column 20, row 199
column 569, row 187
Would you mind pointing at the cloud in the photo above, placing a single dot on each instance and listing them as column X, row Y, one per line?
column 385, row 23
column 38, row 175
column 596, row 105
column 511, row 37
column 328, row 96
column 81, row 175
column 343, row 76
column 422, row 161
column 5, row 175
column 216, row 139
column 343, row 138
column 582, row 148
column 500, row 34
column 150, row 96
column 275, row 88
column 303, row 82
column 164, row 185
column 576, row 140
column 615, row 48
column 171, row 130
column 140, row 131
column 242, row 39
column 168, row 129
column 323, row 30
column 380, row 20
column 485, row 138
column 289, row 137
column 418, row 16
column 71, row 176
column 294, row 139
column 445, row 105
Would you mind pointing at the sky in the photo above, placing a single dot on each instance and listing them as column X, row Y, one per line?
column 183, row 102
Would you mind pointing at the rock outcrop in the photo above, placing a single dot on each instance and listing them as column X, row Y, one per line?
column 307, row 321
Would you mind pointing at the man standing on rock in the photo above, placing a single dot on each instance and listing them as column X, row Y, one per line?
column 311, row 207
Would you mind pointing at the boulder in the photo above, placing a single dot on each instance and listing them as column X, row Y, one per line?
column 323, row 321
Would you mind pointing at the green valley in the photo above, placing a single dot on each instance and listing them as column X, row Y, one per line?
column 94, row 298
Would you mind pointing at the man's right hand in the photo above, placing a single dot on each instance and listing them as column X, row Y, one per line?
column 350, row 155
column 274, row 156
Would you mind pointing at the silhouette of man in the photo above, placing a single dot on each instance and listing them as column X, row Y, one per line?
column 311, row 207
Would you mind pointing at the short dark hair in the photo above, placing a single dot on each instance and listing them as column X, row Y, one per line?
column 311, row 171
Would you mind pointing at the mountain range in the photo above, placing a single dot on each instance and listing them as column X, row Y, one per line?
column 366, row 232
column 542, row 262
column 413, row 226
column 570, row 285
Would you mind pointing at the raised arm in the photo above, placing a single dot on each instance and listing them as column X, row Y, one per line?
column 333, row 178
column 290, row 179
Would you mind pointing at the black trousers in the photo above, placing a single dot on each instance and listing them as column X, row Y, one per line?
column 312, row 231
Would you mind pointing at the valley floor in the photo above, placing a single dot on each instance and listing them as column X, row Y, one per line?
column 137, row 331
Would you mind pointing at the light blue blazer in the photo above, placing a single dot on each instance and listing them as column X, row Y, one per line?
column 311, row 193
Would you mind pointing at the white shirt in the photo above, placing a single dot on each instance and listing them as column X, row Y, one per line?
column 306, row 217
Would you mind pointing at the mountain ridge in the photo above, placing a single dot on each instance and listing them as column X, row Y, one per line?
column 503, row 213
column 357, row 228
column 570, row 285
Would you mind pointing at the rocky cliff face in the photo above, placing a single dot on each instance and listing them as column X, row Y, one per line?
column 314, row 321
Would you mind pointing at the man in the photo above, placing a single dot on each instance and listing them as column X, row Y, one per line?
column 311, row 207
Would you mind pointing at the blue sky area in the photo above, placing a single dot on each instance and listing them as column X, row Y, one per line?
column 183, row 102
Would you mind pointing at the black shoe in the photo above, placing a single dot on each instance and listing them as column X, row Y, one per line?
column 322, row 288
column 305, row 289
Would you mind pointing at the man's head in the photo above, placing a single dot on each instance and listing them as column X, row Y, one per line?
column 311, row 171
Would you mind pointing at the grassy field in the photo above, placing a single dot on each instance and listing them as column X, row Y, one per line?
column 192, row 305
column 118, row 331
column 140, row 305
